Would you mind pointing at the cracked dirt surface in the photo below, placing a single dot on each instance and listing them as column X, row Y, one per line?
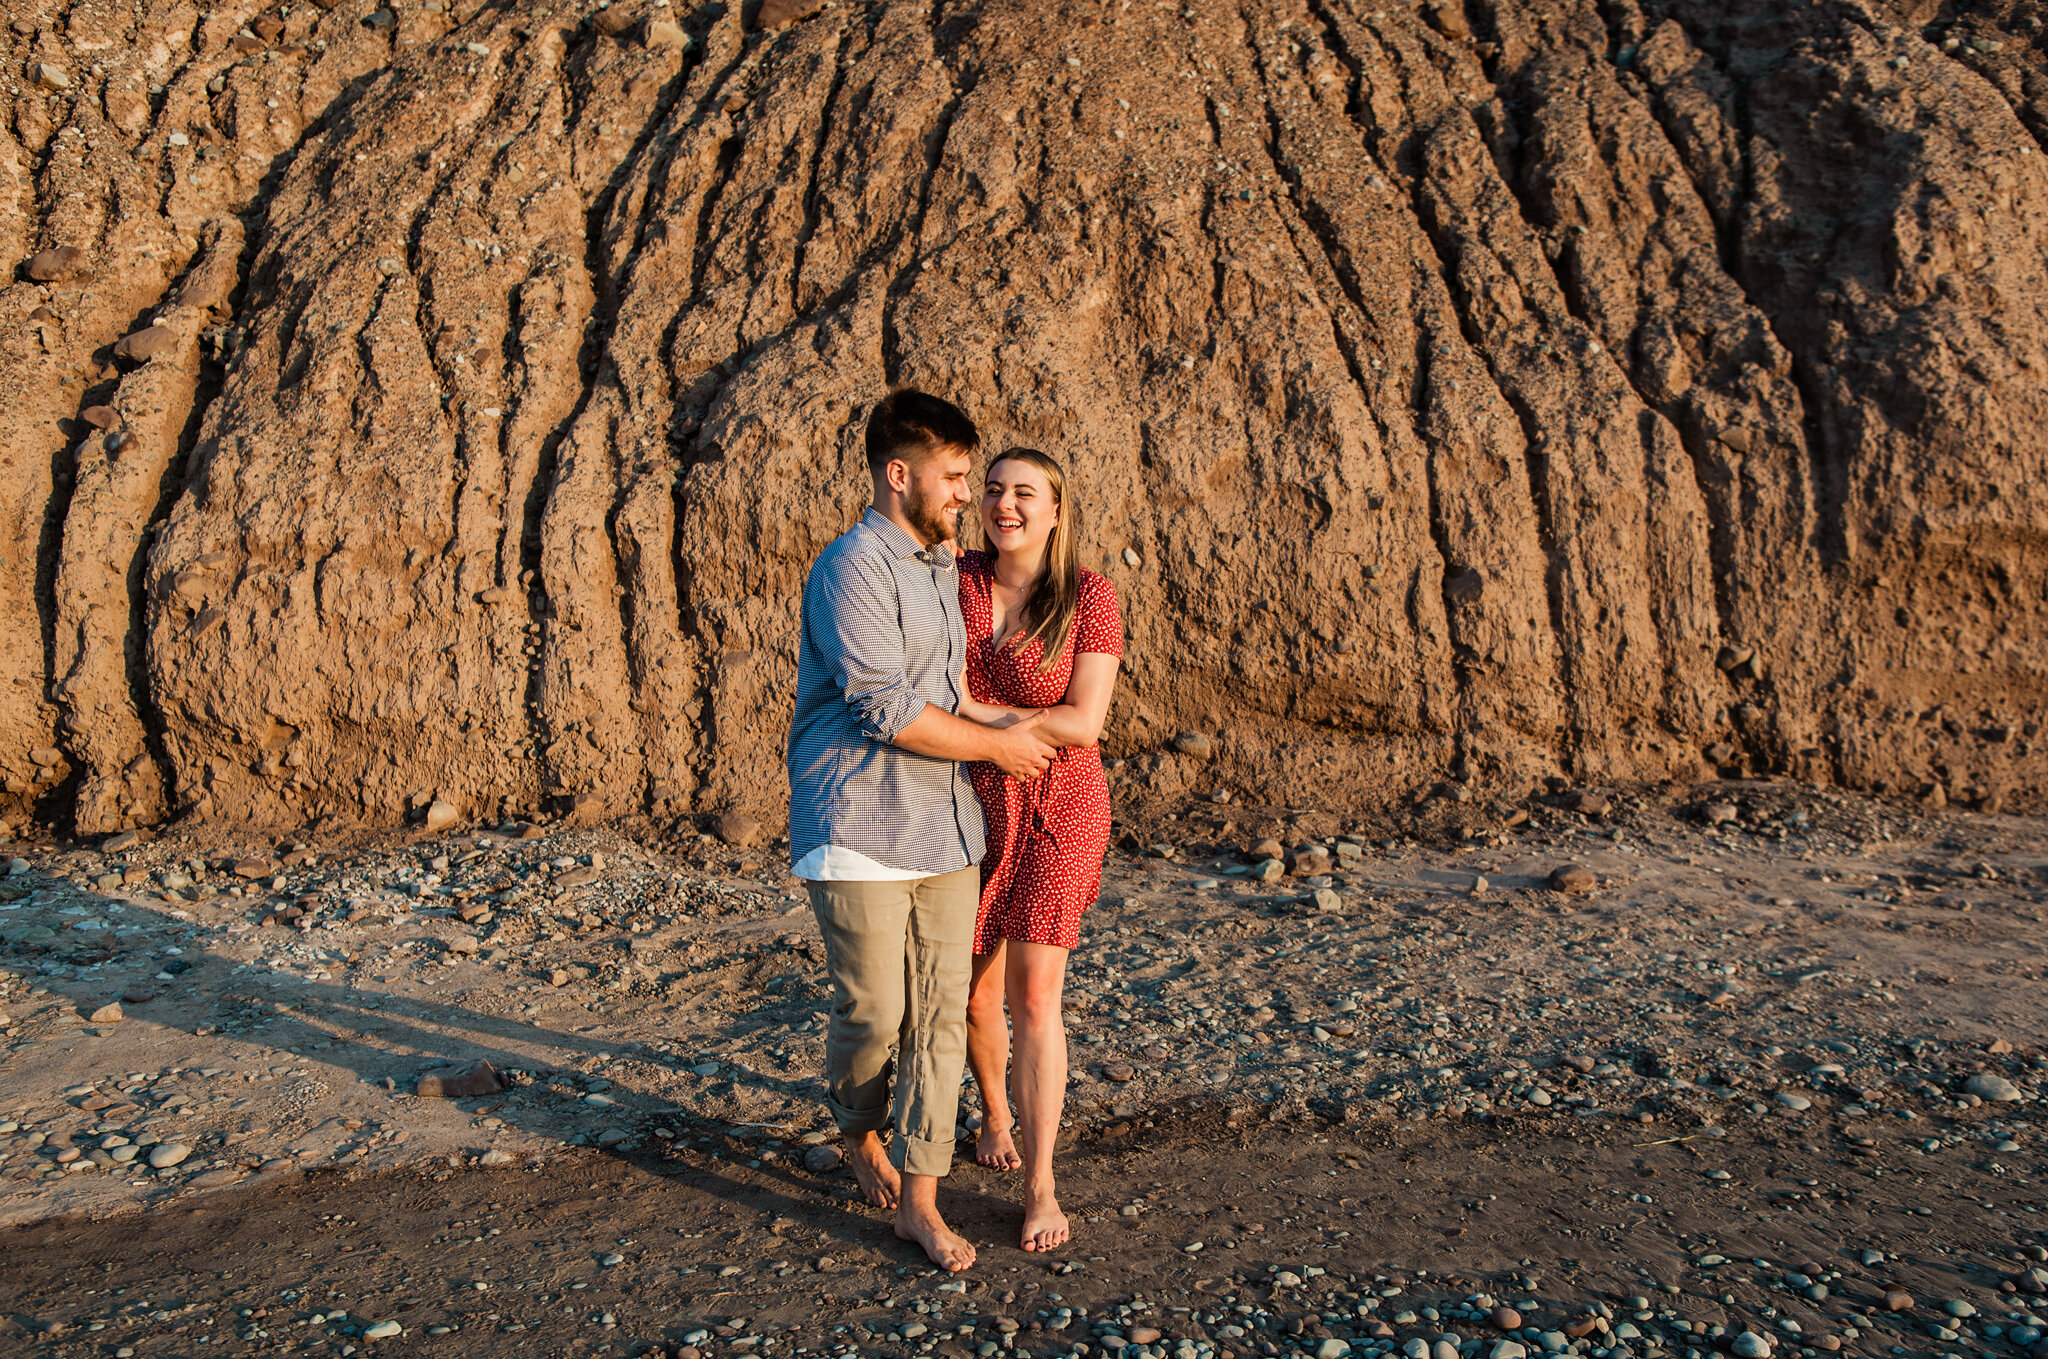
column 1462, row 394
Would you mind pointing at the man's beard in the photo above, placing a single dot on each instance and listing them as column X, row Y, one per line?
column 935, row 522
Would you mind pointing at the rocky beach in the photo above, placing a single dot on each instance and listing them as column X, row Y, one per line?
column 1336, row 1081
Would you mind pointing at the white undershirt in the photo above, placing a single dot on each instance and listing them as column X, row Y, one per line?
column 836, row 863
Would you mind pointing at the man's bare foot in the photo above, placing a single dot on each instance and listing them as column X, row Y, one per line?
column 995, row 1149
column 924, row 1225
column 879, row 1182
column 1045, row 1226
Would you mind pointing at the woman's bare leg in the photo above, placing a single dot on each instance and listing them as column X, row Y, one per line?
column 1035, row 977
column 988, row 1052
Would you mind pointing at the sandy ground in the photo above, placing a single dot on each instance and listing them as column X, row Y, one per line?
column 1805, row 1041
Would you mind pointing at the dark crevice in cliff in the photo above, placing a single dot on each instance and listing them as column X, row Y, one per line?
column 815, row 174
column 913, row 234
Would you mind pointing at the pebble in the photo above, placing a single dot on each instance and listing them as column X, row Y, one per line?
column 613, row 1259
column 108, row 1014
column 51, row 77
column 383, row 1330
column 1506, row 1319
column 1509, row 1349
column 821, row 1160
column 1328, row 901
column 1956, row 1307
column 1799, row 1103
column 166, row 1154
column 1333, row 1348
column 1898, row 1300
column 1721, row 813
column 1988, row 1085
column 1144, row 1335
column 1750, row 1345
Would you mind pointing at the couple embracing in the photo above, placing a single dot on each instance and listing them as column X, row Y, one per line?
column 948, row 809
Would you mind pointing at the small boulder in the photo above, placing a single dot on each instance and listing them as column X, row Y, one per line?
column 662, row 33
column 1265, row 849
column 109, row 1013
column 1574, row 879
column 440, row 816
column 1989, row 1085
column 1309, row 860
column 738, row 829
column 459, row 1082
column 54, row 265
column 146, row 343
column 781, row 13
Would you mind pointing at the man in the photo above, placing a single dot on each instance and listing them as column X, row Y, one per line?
column 883, row 822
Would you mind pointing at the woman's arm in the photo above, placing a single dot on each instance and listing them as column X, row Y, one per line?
column 1078, row 717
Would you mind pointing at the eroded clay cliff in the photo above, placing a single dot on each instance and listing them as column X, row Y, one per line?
column 444, row 400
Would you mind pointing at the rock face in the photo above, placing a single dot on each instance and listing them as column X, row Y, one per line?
column 1605, row 392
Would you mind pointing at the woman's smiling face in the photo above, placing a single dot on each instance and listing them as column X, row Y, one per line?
column 1018, row 509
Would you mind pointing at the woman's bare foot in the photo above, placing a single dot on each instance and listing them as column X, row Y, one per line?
column 948, row 1250
column 1045, row 1226
column 879, row 1182
column 995, row 1149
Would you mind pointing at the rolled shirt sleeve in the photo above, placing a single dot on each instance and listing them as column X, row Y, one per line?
column 855, row 624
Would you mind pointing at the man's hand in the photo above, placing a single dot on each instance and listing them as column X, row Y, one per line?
column 1018, row 750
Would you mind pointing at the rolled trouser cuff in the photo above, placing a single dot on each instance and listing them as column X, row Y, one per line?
column 857, row 1120
column 921, row 1156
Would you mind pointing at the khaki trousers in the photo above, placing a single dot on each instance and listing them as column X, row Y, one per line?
column 900, row 955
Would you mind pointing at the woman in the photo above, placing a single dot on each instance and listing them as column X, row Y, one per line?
column 1042, row 635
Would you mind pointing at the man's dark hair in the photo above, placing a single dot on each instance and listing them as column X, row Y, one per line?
column 912, row 425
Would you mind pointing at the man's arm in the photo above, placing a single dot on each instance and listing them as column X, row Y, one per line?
column 856, row 626
column 1015, row 749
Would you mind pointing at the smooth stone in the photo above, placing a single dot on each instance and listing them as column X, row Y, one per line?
column 167, row 1154
column 1750, row 1345
column 821, row 1160
column 1795, row 1102
column 383, row 1330
column 1988, row 1085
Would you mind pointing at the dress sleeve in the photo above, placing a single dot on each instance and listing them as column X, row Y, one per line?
column 1098, row 625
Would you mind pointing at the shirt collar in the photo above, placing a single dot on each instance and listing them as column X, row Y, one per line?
column 901, row 544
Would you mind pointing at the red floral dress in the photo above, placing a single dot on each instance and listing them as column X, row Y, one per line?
column 1047, row 837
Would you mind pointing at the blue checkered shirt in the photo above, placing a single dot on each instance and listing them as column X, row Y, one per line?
column 882, row 638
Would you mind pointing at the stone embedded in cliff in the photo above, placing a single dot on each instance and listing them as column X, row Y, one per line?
column 663, row 33
column 99, row 417
column 738, row 829
column 612, row 20
column 55, row 264
column 1586, row 802
column 467, row 1081
column 54, row 78
column 269, row 28
column 1195, row 745
column 146, row 343
column 440, row 815
column 782, row 13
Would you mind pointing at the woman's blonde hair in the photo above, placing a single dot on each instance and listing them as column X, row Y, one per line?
column 1056, row 598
